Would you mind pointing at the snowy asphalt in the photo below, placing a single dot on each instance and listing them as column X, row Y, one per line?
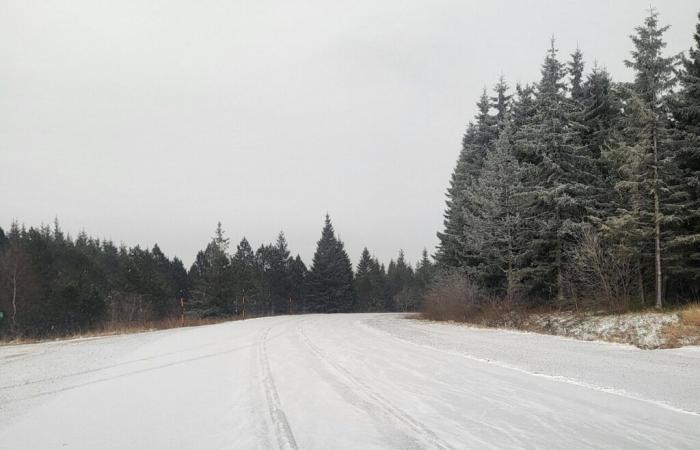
column 371, row 381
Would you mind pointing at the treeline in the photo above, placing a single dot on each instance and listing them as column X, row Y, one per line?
column 578, row 190
column 52, row 284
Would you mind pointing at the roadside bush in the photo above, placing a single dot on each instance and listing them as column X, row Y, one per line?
column 601, row 275
column 452, row 297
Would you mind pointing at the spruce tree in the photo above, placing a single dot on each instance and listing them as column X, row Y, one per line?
column 244, row 276
column 496, row 228
column 576, row 75
column 399, row 283
column 363, row 281
column 558, row 181
column 501, row 102
column 449, row 250
column 686, row 112
column 330, row 278
column 298, row 274
column 452, row 250
column 424, row 274
column 651, row 166
column 212, row 287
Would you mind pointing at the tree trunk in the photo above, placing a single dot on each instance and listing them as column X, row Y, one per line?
column 14, row 300
column 641, row 283
column 558, row 262
column 657, row 227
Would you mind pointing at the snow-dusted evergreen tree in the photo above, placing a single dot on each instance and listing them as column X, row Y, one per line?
column 298, row 274
column 501, row 102
column 575, row 69
column 495, row 229
column 480, row 135
column 425, row 272
column 558, row 178
column 330, row 281
column 399, row 282
column 449, row 249
column 212, row 286
column 600, row 110
column 244, row 270
column 645, row 161
column 686, row 112
column 278, row 276
column 363, row 281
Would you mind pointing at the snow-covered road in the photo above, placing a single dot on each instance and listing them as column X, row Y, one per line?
column 345, row 381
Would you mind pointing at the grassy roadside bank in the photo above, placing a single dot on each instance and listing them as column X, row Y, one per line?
column 647, row 329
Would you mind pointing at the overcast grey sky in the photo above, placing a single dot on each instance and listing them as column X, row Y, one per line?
column 147, row 121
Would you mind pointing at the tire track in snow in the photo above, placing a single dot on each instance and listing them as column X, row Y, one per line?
column 282, row 430
column 424, row 436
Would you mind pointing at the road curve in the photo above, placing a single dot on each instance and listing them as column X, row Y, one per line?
column 363, row 381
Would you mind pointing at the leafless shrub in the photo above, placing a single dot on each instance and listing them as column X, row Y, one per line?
column 127, row 309
column 452, row 297
column 455, row 297
column 601, row 274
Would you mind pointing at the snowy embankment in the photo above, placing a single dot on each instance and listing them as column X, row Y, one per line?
column 370, row 381
column 646, row 330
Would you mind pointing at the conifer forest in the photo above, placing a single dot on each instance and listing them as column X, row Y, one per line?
column 571, row 191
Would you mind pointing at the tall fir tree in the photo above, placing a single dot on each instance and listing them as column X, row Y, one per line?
column 650, row 166
column 330, row 280
column 686, row 112
column 363, row 281
column 575, row 70
column 558, row 178
column 478, row 138
column 501, row 102
column 497, row 226
column 212, row 287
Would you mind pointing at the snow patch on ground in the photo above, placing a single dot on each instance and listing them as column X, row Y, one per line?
column 644, row 330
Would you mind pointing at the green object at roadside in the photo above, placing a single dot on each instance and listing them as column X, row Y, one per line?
column 2, row 315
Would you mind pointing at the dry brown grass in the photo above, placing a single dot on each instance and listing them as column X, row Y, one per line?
column 687, row 330
column 112, row 329
column 690, row 315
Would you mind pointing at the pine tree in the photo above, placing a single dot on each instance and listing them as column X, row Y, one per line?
column 425, row 273
column 297, row 277
column 363, row 281
column 400, row 282
column 686, row 112
column 278, row 276
column 330, row 285
column 245, row 277
column 576, row 75
column 497, row 226
column 212, row 287
column 600, row 110
column 501, row 102
column 558, row 175
column 449, row 250
column 651, row 167
column 479, row 137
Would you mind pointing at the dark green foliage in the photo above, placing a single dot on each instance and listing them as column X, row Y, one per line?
column 686, row 112
column 559, row 179
column 212, row 286
column 51, row 284
column 576, row 75
column 452, row 250
column 575, row 156
column 363, row 281
column 330, row 280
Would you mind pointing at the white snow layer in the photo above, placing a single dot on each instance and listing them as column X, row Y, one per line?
column 364, row 381
column 645, row 330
